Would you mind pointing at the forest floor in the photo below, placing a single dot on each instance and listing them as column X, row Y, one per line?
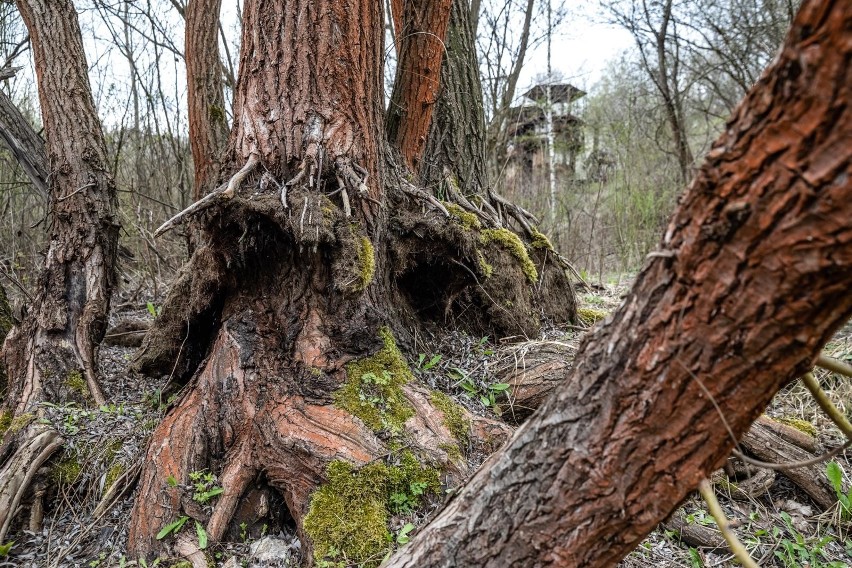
column 781, row 527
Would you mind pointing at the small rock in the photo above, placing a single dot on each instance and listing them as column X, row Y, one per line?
column 270, row 548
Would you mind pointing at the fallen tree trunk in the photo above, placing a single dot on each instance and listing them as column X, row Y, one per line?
column 750, row 281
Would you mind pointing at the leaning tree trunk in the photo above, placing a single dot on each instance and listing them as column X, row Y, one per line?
column 50, row 356
column 752, row 279
column 317, row 259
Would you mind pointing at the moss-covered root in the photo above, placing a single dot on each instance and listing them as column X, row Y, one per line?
column 512, row 244
column 347, row 521
column 372, row 390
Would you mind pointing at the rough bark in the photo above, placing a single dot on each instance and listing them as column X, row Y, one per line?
column 25, row 144
column 69, row 316
column 418, row 75
column 310, row 260
column 50, row 356
column 751, row 280
column 456, row 141
column 208, row 126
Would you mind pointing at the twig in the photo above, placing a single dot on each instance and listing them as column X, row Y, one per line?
column 834, row 365
column 76, row 191
column 706, row 490
column 224, row 191
column 826, row 405
column 793, row 465
column 425, row 196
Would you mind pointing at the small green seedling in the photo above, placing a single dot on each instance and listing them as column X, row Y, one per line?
column 172, row 528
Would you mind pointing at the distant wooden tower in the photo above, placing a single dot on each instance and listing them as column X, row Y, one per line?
column 527, row 130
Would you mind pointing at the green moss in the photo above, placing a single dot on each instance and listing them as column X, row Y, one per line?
column 801, row 425
column 366, row 264
column 182, row 564
column 18, row 423
column 540, row 241
column 510, row 242
column 66, row 470
column 453, row 451
column 454, row 416
column 467, row 219
column 216, row 113
column 372, row 390
column 590, row 316
column 347, row 520
column 113, row 473
column 484, row 267
column 77, row 383
column 5, row 421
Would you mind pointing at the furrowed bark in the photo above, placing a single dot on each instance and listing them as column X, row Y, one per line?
column 51, row 355
column 68, row 320
column 24, row 143
column 208, row 125
column 456, row 141
column 751, row 280
column 416, row 88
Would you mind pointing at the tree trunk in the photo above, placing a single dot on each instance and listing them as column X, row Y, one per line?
column 25, row 144
column 50, row 356
column 208, row 125
column 456, row 142
column 751, row 280
column 418, row 73
column 316, row 260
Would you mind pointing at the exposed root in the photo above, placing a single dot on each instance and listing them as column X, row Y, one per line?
column 417, row 193
column 224, row 191
column 235, row 479
column 189, row 550
column 119, row 487
column 36, row 444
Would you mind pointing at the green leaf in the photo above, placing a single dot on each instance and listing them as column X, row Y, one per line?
column 172, row 527
column 171, row 481
column 432, row 362
column 835, row 476
column 5, row 548
column 402, row 536
column 151, row 309
column 213, row 492
column 499, row 387
column 202, row 535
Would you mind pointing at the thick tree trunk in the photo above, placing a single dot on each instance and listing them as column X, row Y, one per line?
column 456, row 142
column 418, row 73
column 208, row 125
column 50, row 356
column 751, row 280
column 286, row 320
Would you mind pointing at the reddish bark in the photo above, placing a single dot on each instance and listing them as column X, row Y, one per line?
column 208, row 127
column 751, row 280
column 418, row 74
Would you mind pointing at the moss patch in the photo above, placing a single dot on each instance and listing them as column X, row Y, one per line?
column 484, row 267
column 366, row 264
column 348, row 515
column 467, row 219
column 66, row 470
column 372, row 390
column 18, row 423
column 5, row 421
column 591, row 316
column 540, row 241
column 454, row 417
column 801, row 425
column 511, row 243
column 77, row 383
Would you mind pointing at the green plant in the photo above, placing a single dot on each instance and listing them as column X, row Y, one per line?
column 172, row 528
column 5, row 548
column 835, row 476
column 487, row 394
column 695, row 559
column 402, row 534
column 204, row 485
column 153, row 310
column 243, row 531
column 406, row 501
column 800, row 551
column 424, row 365
column 202, row 535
